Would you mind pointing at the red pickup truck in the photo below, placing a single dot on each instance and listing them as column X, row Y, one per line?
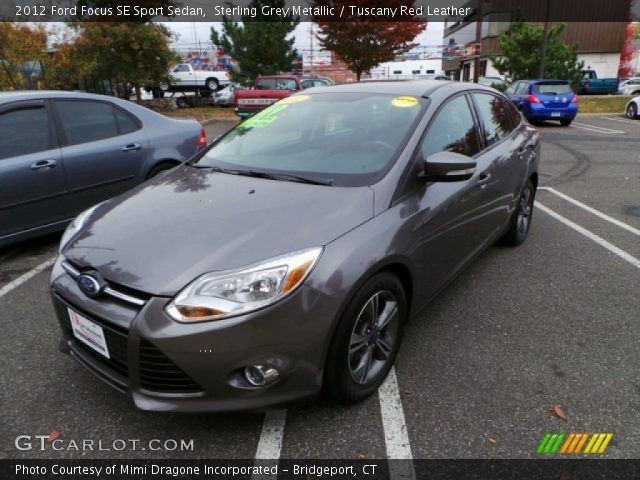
column 266, row 90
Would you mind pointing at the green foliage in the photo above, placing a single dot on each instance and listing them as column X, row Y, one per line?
column 521, row 50
column 134, row 53
column 259, row 47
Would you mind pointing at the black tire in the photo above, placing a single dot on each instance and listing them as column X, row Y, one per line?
column 520, row 222
column 205, row 93
column 632, row 111
column 566, row 123
column 182, row 102
column 360, row 357
column 212, row 84
column 158, row 93
column 158, row 169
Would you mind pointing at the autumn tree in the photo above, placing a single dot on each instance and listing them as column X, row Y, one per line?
column 136, row 54
column 520, row 55
column 363, row 43
column 260, row 45
column 23, row 50
column 625, row 68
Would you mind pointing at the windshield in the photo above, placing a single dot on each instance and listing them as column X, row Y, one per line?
column 552, row 88
column 348, row 138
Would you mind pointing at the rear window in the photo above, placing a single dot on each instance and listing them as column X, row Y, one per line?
column 552, row 88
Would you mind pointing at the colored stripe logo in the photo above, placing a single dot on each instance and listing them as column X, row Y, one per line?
column 574, row 443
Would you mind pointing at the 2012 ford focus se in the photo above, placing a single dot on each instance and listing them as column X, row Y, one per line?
column 287, row 258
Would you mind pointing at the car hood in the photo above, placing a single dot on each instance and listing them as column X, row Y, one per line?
column 160, row 236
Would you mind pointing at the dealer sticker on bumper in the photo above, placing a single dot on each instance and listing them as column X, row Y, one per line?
column 89, row 333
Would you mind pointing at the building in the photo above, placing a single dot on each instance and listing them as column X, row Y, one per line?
column 600, row 42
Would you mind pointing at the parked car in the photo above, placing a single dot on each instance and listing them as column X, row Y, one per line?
column 184, row 77
column 430, row 76
column 266, row 91
column 288, row 256
column 629, row 87
column 309, row 82
column 226, row 96
column 632, row 108
column 61, row 152
column 544, row 100
column 590, row 84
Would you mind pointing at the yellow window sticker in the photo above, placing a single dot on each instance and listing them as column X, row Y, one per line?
column 293, row 99
column 404, row 102
column 263, row 118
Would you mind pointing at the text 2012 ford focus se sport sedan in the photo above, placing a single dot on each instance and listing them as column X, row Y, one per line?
column 287, row 258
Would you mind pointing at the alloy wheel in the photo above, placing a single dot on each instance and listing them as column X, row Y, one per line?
column 374, row 336
column 524, row 211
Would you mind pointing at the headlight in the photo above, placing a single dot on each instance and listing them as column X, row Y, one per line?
column 223, row 294
column 75, row 226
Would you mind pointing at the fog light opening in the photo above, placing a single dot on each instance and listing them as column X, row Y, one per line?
column 259, row 376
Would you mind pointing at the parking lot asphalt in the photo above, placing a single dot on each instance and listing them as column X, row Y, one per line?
column 553, row 322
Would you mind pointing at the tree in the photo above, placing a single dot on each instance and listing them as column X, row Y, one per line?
column 135, row 54
column 520, row 54
column 260, row 45
column 628, row 52
column 22, row 52
column 361, row 43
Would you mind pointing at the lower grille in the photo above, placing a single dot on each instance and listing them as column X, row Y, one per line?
column 159, row 374
column 115, row 337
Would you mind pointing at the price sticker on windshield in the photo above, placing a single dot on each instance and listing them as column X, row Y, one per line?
column 404, row 102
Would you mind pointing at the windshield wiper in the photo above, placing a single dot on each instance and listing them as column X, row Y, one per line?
column 268, row 176
column 288, row 177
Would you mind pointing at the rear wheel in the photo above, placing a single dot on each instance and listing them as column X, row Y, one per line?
column 632, row 111
column 158, row 169
column 566, row 123
column 520, row 222
column 367, row 339
column 182, row 102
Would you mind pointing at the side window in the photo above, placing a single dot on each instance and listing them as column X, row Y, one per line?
column 494, row 116
column 307, row 83
column 84, row 121
column 266, row 84
column 512, row 89
column 514, row 114
column 453, row 130
column 181, row 68
column 24, row 131
column 523, row 89
column 126, row 123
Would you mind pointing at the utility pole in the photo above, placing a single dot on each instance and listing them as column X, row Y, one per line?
column 310, row 50
column 478, row 47
column 545, row 39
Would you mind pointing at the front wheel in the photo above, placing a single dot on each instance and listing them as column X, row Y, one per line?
column 367, row 339
column 520, row 222
column 212, row 84
column 632, row 111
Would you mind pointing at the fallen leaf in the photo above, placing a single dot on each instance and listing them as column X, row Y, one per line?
column 362, row 455
column 407, row 391
column 556, row 411
column 53, row 435
column 492, row 440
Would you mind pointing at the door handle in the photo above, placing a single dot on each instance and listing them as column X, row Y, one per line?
column 43, row 165
column 483, row 179
column 131, row 147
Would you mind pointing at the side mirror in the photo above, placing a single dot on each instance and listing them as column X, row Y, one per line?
column 448, row 167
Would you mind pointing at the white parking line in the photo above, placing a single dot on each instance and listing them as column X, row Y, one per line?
column 26, row 277
column 592, row 236
column 622, row 120
column 593, row 128
column 270, row 443
column 592, row 210
column 396, row 437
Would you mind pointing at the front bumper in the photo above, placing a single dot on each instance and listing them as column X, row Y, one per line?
column 168, row 366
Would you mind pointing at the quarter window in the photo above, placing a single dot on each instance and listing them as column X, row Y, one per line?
column 494, row 116
column 24, row 131
column 84, row 121
column 126, row 123
column 453, row 130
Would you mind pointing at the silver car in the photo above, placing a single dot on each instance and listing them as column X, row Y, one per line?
column 62, row 152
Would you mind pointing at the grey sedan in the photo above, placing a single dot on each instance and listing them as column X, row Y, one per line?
column 291, row 253
column 62, row 152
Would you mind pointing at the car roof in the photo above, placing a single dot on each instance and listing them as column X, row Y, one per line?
column 544, row 80
column 414, row 88
column 38, row 94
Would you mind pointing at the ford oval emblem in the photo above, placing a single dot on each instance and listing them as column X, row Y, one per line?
column 89, row 285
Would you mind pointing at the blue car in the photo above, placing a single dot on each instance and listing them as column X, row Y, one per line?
column 544, row 100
